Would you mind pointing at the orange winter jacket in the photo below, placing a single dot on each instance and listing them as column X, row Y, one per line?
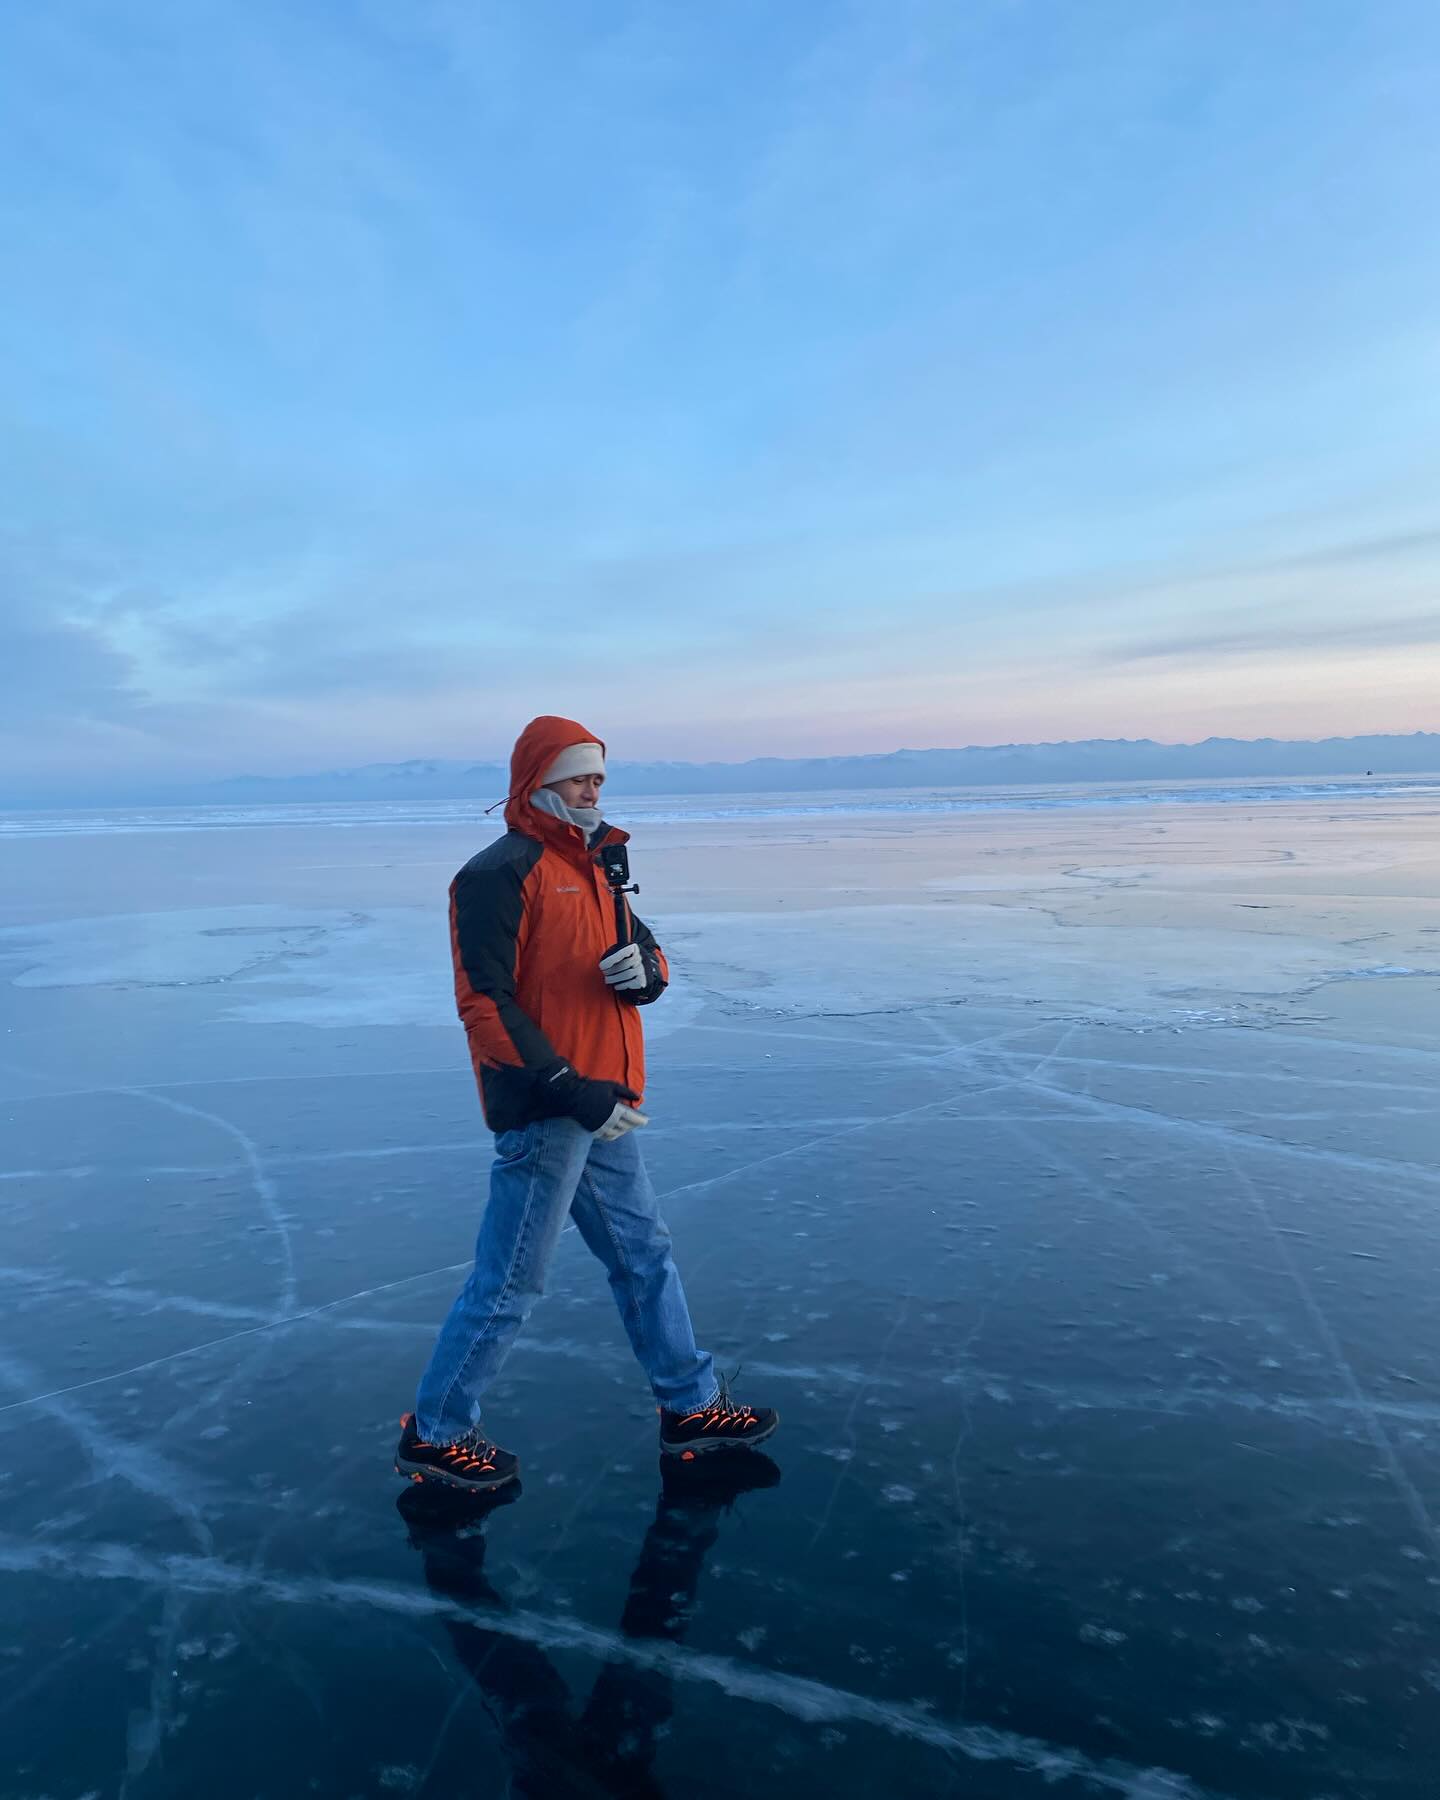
column 530, row 918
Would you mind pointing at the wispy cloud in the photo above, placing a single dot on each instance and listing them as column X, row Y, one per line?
column 58, row 659
column 1290, row 638
column 1391, row 546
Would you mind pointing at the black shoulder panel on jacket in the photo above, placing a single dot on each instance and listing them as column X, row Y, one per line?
column 513, row 850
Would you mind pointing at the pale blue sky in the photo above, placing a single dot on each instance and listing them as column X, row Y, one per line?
column 742, row 378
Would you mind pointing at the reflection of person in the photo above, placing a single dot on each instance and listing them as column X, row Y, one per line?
column 548, row 1000
column 609, row 1749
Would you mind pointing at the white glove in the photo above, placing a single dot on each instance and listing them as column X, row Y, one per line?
column 623, row 1119
column 624, row 969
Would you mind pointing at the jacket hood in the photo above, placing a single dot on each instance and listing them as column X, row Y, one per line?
column 536, row 748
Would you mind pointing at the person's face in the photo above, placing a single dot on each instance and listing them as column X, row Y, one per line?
column 579, row 790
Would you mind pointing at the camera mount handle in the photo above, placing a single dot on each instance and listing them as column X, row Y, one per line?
column 614, row 859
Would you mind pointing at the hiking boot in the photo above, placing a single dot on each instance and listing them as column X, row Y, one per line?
column 722, row 1425
column 471, row 1465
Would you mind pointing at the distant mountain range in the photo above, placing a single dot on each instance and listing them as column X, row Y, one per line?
column 1007, row 765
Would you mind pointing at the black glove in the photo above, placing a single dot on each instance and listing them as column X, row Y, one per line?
column 632, row 972
column 623, row 966
column 566, row 1095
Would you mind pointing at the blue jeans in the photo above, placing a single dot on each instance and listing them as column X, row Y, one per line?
column 548, row 1172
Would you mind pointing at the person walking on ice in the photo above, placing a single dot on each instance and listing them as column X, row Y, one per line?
column 550, row 1004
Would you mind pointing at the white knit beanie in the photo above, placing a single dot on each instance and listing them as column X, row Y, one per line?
column 579, row 759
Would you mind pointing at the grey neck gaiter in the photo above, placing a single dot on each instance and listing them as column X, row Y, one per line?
column 587, row 818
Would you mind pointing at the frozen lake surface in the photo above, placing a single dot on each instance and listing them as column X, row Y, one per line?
column 1071, row 1184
